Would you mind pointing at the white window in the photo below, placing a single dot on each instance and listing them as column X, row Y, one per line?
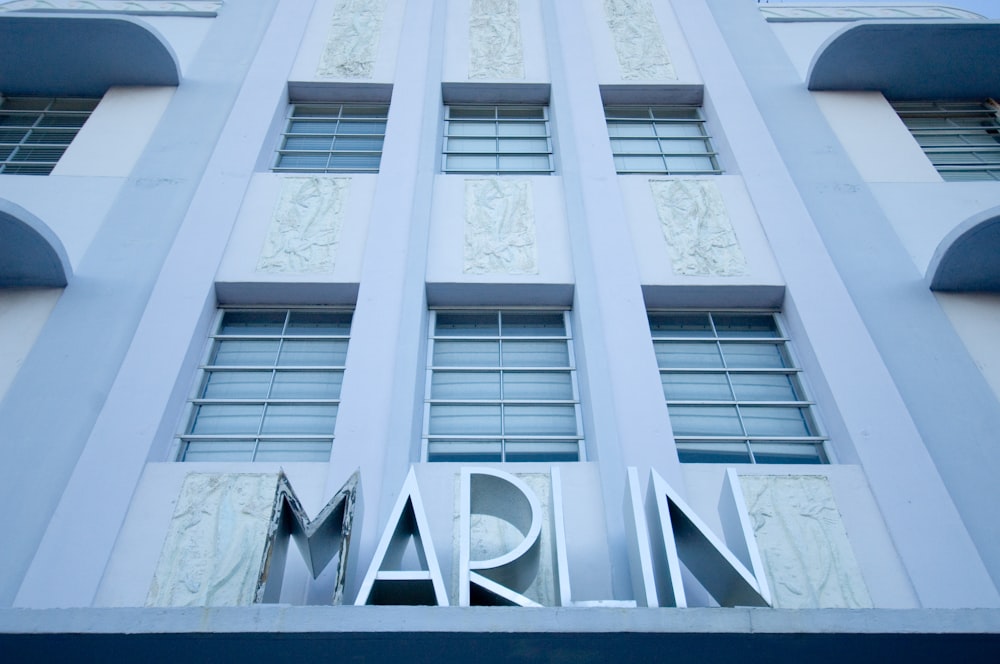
column 497, row 139
column 501, row 386
column 732, row 389
column 333, row 138
column 270, row 387
column 660, row 139
column 35, row 131
column 961, row 138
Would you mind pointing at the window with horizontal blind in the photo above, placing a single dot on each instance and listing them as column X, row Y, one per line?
column 670, row 140
column 501, row 386
column 35, row 131
column 961, row 138
column 333, row 138
column 733, row 391
column 497, row 140
column 269, row 389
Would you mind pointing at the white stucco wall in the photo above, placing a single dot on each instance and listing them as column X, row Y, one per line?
column 23, row 312
column 457, row 47
column 116, row 133
column 976, row 317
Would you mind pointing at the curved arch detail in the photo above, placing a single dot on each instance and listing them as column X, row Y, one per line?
column 918, row 59
column 31, row 255
column 55, row 55
column 968, row 258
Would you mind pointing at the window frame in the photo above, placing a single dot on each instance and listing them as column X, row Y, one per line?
column 11, row 166
column 207, row 367
column 503, row 439
column 282, row 151
column 815, row 437
column 947, row 112
column 651, row 120
column 497, row 135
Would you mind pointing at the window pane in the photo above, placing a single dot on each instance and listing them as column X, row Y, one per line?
column 471, row 129
column 252, row 322
column 522, row 129
column 466, row 324
column 218, row 450
column 314, row 419
column 634, row 129
column 764, row 387
column 245, row 352
column 687, row 354
column 471, row 145
column 753, row 355
column 314, row 352
column 466, row 353
column 745, row 325
column 535, row 354
column 696, row 387
column 524, row 163
column 227, row 419
column 554, row 420
column 528, row 145
column 788, row 453
column 533, row 325
column 538, row 385
column 478, row 451
column 548, row 451
column 293, row 450
column 479, row 420
column 307, row 384
column 712, row 452
column 689, row 164
column 486, row 163
column 705, row 421
column 680, row 325
column 318, row 323
column 460, row 385
column 635, row 146
column 236, row 385
column 774, row 421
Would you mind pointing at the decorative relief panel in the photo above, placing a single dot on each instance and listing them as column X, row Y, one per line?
column 352, row 46
column 214, row 551
column 499, row 227
column 864, row 12
column 696, row 226
column 638, row 41
column 147, row 8
column 803, row 543
column 305, row 226
column 495, row 40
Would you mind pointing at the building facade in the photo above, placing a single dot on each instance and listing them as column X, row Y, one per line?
column 669, row 326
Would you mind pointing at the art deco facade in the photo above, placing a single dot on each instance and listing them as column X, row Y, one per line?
column 668, row 326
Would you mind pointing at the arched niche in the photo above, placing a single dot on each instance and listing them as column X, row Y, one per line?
column 911, row 59
column 73, row 55
column 31, row 255
column 968, row 258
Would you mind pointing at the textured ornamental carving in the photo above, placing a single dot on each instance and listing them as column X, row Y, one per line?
column 495, row 40
column 697, row 228
column 352, row 45
column 864, row 12
column 147, row 8
column 499, row 227
column 305, row 226
column 803, row 543
column 214, row 551
column 638, row 41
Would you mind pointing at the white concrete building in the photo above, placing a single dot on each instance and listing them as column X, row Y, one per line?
column 670, row 326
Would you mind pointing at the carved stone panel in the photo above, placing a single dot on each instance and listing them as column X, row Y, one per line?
column 305, row 226
column 803, row 543
column 696, row 226
column 642, row 54
column 495, row 40
column 214, row 551
column 352, row 45
column 499, row 227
